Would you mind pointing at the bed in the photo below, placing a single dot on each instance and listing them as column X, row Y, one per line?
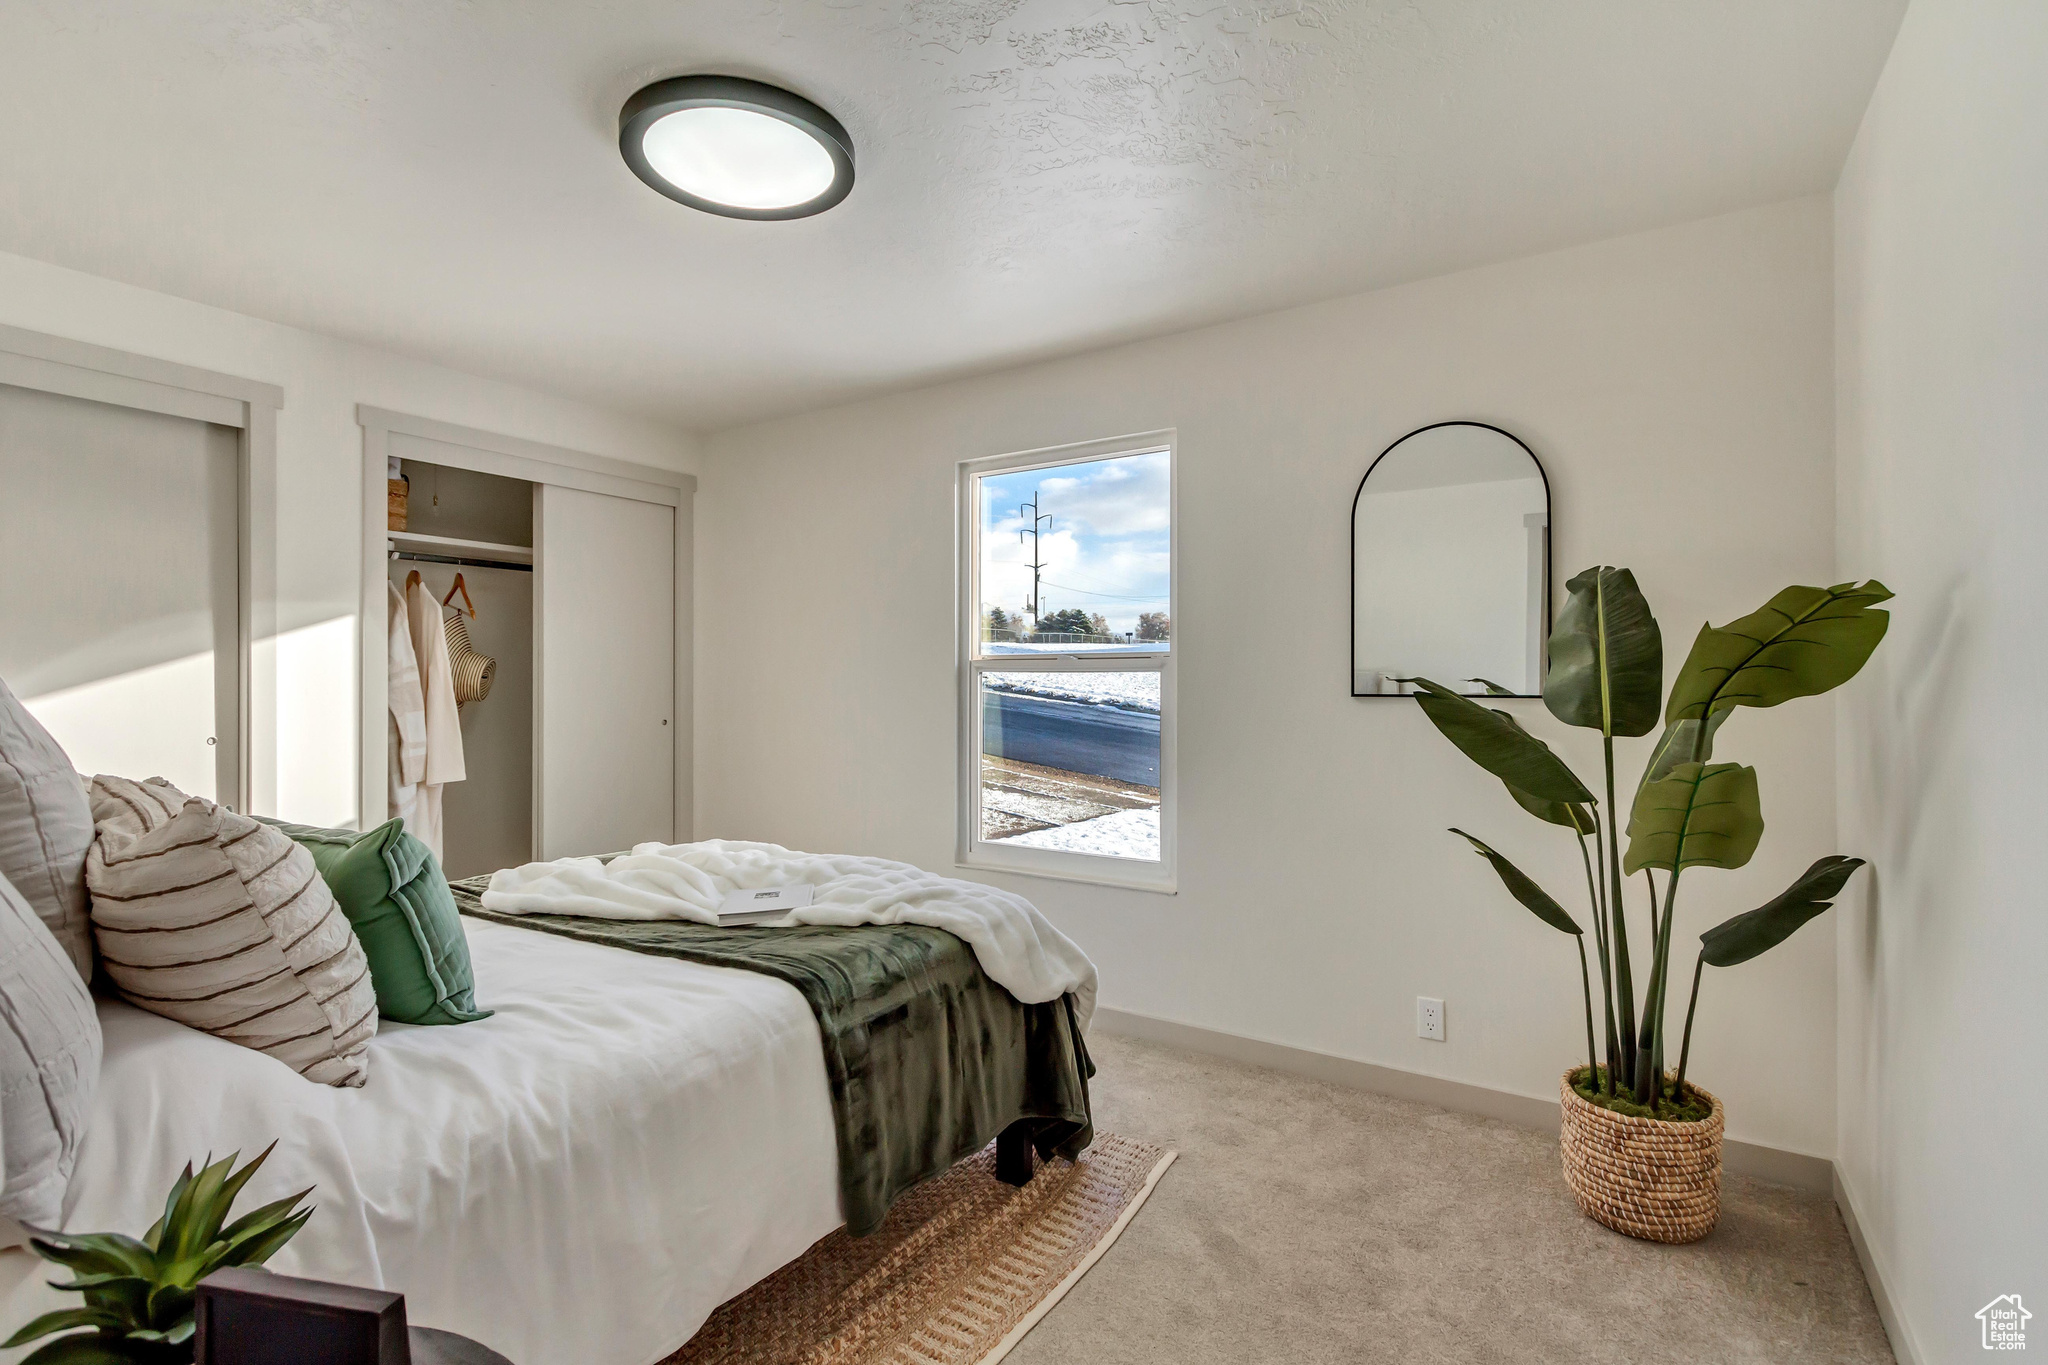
column 628, row 1142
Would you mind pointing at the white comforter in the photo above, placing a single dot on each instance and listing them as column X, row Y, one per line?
column 1018, row 948
column 577, row 1180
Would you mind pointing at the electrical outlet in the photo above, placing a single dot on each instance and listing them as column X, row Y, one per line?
column 1429, row 1018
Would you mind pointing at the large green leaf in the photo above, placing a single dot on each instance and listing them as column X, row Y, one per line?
column 260, row 1247
column 94, row 1253
column 63, row 1320
column 1764, row 928
column 172, row 1201
column 1801, row 643
column 1500, row 746
column 230, row 1190
column 192, row 1220
column 1524, row 890
column 1674, row 746
column 126, row 1295
column 1577, row 818
column 1702, row 815
column 1606, row 656
column 259, row 1221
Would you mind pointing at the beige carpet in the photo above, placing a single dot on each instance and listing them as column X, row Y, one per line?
column 1308, row 1223
column 957, row 1274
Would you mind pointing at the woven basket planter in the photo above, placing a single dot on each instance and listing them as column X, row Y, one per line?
column 1649, row 1178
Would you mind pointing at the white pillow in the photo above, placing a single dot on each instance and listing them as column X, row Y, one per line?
column 49, row 1063
column 223, row 923
column 45, row 828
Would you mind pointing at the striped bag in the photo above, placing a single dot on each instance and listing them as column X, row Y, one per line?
column 223, row 923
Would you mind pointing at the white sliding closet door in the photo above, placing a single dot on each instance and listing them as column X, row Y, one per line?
column 604, row 643
column 119, row 586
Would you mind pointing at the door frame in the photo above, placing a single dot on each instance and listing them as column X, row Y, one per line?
column 514, row 457
column 245, row 768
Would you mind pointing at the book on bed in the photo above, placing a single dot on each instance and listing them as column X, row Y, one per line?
column 761, row 905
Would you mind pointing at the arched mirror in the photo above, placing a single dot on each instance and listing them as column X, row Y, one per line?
column 1450, row 564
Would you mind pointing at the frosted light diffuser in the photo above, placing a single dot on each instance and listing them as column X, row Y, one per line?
column 738, row 157
column 736, row 147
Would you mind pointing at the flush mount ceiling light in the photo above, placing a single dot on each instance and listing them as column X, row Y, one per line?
column 736, row 147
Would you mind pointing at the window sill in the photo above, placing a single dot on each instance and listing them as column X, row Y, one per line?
column 1164, row 886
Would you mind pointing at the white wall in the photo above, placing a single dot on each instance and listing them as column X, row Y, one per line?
column 1678, row 386
column 1942, row 290
column 319, row 531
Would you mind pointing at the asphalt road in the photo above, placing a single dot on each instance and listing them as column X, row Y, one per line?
column 1099, row 740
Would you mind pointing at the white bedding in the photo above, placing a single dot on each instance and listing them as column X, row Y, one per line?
column 578, row 1180
column 1016, row 945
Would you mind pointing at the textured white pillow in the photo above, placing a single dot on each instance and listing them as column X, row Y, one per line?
column 45, row 828
column 49, row 1063
column 223, row 923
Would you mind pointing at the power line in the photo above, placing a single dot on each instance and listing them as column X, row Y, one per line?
column 1090, row 592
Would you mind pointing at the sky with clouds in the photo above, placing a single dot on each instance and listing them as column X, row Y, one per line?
column 1106, row 549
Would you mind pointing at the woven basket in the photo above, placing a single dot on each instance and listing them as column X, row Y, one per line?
column 1649, row 1178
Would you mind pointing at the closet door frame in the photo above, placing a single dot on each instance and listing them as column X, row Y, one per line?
column 245, row 721
column 513, row 457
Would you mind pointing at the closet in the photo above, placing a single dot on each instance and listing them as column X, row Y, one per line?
column 138, row 550
column 574, row 583
column 118, row 543
column 469, row 536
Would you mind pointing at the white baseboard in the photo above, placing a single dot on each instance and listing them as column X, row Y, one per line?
column 1815, row 1174
column 1904, row 1345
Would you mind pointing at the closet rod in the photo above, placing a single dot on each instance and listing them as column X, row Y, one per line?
column 470, row 563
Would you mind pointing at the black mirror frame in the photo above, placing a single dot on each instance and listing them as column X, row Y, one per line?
column 1549, row 538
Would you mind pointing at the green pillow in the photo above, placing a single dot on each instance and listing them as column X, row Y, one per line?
column 392, row 891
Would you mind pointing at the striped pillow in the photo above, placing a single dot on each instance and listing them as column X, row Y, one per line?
column 223, row 923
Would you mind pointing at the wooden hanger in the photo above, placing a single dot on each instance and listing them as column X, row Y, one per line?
column 412, row 580
column 463, row 588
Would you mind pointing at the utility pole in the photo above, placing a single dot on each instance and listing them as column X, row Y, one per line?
column 1036, row 562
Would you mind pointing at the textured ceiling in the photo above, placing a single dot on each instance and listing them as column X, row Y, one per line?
column 1035, row 176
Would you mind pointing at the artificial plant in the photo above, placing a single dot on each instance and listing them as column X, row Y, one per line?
column 1606, row 674
column 139, row 1293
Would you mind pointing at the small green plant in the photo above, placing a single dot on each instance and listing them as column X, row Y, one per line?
column 138, row 1294
column 1607, row 674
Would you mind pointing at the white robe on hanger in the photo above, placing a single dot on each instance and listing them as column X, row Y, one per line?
column 407, row 750
column 443, row 722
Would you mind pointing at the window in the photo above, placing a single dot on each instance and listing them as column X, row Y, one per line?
column 1066, row 662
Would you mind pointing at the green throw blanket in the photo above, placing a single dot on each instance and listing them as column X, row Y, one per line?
column 929, row 1059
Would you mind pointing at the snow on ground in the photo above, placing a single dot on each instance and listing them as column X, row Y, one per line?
column 1027, row 647
column 1128, row 691
column 1124, row 834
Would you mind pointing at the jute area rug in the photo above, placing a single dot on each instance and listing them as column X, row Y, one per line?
column 960, row 1270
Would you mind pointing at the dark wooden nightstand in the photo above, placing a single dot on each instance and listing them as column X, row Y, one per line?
column 245, row 1315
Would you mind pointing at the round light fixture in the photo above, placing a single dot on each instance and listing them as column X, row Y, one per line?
column 736, row 147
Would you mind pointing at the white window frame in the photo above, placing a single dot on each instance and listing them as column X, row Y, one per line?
column 972, row 850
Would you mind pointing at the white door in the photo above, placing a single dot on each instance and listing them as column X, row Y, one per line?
column 119, row 587
column 604, row 647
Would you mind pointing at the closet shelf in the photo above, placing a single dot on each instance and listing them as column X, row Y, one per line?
column 454, row 547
